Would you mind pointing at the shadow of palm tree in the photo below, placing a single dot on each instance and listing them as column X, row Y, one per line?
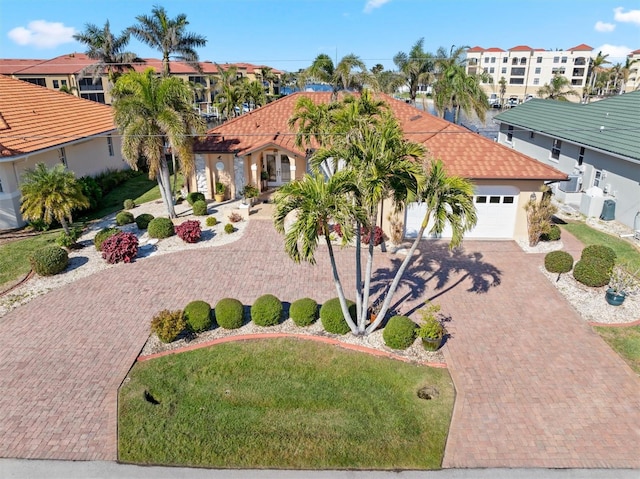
column 434, row 261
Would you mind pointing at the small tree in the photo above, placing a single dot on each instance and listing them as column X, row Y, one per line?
column 49, row 194
column 539, row 216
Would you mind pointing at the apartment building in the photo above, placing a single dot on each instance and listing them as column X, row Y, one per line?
column 526, row 69
column 633, row 81
column 66, row 71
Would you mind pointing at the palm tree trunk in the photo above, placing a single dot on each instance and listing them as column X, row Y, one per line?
column 164, row 182
column 359, row 319
column 367, row 275
column 396, row 280
column 65, row 226
column 338, row 284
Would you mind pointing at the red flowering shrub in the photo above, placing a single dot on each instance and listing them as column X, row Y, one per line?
column 378, row 235
column 189, row 231
column 120, row 247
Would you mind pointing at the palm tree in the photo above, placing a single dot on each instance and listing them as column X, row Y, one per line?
column 107, row 50
column 312, row 122
column 388, row 82
column 596, row 67
column 626, row 70
column 49, row 194
column 417, row 67
column 342, row 76
column 503, row 90
column 316, row 201
column 168, row 36
column 449, row 200
column 148, row 109
column 455, row 89
column 253, row 93
column 269, row 76
column 555, row 90
column 70, row 90
column 231, row 98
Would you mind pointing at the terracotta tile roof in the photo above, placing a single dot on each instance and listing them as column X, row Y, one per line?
column 494, row 49
column 580, row 48
column 35, row 118
column 62, row 65
column 464, row 153
column 521, row 48
column 11, row 66
column 475, row 49
column 634, row 52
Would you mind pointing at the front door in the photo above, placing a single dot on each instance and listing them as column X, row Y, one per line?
column 279, row 168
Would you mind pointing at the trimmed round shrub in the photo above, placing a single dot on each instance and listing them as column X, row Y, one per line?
column 332, row 318
column 143, row 220
column 212, row 221
column 121, row 247
column 558, row 262
column 229, row 228
column 129, row 204
column 593, row 272
column 304, row 311
column 197, row 315
column 189, row 231
column 160, row 228
column 553, row 234
column 124, row 218
column 102, row 235
column 266, row 310
column 168, row 325
column 399, row 333
column 200, row 208
column 49, row 260
column 601, row 252
column 195, row 196
column 229, row 313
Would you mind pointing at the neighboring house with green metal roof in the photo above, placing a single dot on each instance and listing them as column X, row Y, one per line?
column 596, row 144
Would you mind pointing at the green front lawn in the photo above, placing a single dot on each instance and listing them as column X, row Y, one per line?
column 14, row 257
column 283, row 403
column 625, row 341
column 624, row 250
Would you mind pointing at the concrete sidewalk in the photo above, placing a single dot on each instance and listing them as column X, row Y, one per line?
column 26, row 469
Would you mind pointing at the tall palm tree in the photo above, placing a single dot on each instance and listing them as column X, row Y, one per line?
column 268, row 76
column 596, row 67
column 51, row 193
column 349, row 73
column 316, row 202
column 449, row 201
column 253, row 93
column 148, row 109
column 169, row 36
column 455, row 89
column 312, row 122
column 231, row 98
column 626, row 70
column 416, row 66
column 503, row 90
column 556, row 89
column 107, row 50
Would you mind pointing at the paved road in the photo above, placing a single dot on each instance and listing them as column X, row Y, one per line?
column 536, row 387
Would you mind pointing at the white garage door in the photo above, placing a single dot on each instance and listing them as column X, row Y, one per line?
column 496, row 206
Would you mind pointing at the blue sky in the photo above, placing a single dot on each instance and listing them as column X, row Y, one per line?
column 288, row 34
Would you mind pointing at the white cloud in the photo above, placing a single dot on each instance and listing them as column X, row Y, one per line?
column 604, row 27
column 632, row 16
column 373, row 4
column 42, row 34
column 617, row 53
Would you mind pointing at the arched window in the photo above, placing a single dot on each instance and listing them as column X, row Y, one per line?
column 523, row 61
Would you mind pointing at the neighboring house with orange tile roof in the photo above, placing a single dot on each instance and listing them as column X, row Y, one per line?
column 65, row 70
column 526, row 69
column 38, row 125
column 236, row 152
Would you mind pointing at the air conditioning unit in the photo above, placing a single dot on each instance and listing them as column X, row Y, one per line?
column 572, row 185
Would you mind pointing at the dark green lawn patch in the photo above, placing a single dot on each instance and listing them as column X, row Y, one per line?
column 14, row 257
column 625, row 341
column 625, row 251
column 283, row 403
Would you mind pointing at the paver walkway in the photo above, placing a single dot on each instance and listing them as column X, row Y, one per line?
column 535, row 386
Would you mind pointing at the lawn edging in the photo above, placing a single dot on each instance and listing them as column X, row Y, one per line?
column 307, row 337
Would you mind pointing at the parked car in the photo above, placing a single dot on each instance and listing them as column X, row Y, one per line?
column 511, row 102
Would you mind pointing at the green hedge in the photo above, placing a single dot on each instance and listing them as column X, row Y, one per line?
column 600, row 252
column 332, row 318
column 124, row 218
column 593, row 272
column 399, row 333
column 195, row 196
column 197, row 315
column 49, row 260
column 304, row 311
column 266, row 310
column 143, row 220
column 558, row 262
column 168, row 325
column 160, row 228
column 200, row 208
column 229, row 313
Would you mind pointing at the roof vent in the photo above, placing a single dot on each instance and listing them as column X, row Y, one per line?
column 275, row 137
column 414, row 118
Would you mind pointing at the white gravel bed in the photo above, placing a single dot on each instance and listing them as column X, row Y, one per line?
column 590, row 302
column 414, row 353
column 87, row 261
column 541, row 247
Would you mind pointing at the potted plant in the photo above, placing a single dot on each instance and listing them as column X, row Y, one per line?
column 622, row 284
column 264, row 177
column 249, row 192
column 431, row 329
column 219, row 194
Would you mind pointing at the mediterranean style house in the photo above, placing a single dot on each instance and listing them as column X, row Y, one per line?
column 633, row 82
column 259, row 143
column 38, row 125
column 65, row 71
column 526, row 69
column 596, row 144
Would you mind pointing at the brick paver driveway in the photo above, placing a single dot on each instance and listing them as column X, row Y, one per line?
column 535, row 386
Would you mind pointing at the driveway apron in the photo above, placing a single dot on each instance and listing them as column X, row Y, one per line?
column 535, row 386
